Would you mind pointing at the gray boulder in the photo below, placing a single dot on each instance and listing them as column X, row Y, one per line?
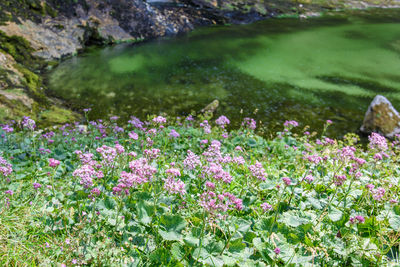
column 381, row 117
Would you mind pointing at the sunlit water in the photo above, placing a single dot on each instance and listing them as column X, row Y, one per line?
column 307, row 70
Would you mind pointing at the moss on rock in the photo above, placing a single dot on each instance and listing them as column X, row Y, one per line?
column 56, row 115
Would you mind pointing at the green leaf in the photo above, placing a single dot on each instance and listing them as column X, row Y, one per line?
column 112, row 221
column 142, row 214
column 335, row 214
column 177, row 251
column 172, row 225
column 394, row 222
column 268, row 185
column 315, row 203
column 293, row 220
column 236, row 245
column 191, row 241
column 160, row 255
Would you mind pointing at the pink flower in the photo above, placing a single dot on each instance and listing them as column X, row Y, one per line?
column 160, row 120
column 309, row 178
column 216, row 171
column 5, row 167
column 266, row 207
column 28, row 123
column 173, row 186
column 133, row 135
column 277, row 251
column 213, row 152
column 210, row 185
column 151, row 153
column 174, row 134
column 379, row 193
column 191, row 161
column 141, row 168
column 108, row 155
column 173, row 172
column 222, row 121
column 287, row 181
column 258, row 171
column 357, row 219
column 377, row 141
column 120, row 149
column 53, row 163
column 291, row 123
column 95, row 192
column 37, row 185
column 249, row 123
column 339, row 179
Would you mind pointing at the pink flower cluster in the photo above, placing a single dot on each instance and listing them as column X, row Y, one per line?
column 357, row 219
column 287, row 181
column 53, row 163
column 28, row 123
column 291, row 123
column 266, row 207
column 339, row 179
column 160, row 120
column 216, row 171
column 87, row 173
column 191, row 161
column 249, row 123
column 206, row 127
column 213, row 152
column 173, row 172
column 108, row 155
column 5, row 167
column 378, row 142
column 216, row 205
column 378, row 193
column 258, row 171
column 222, row 121
column 173, row 186
column 141, row 168
column 174, row 134
column 151, row 153
column 128, row 180
column 85, row 158
column 347, row 153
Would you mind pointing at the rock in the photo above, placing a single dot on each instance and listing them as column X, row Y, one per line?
column 381, row 117
column 211, row 108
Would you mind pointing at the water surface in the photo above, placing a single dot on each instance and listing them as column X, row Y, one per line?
column 308, row 70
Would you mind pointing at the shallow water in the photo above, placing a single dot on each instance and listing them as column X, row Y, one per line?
column 307, row 70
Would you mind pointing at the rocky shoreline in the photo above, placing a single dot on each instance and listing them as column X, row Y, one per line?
column 34, row 35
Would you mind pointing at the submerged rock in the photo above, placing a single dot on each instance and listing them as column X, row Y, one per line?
column 210, row 108
column 381, row 117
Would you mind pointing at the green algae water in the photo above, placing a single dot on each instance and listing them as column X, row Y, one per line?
column 307, row 70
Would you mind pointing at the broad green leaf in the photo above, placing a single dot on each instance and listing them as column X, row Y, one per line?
column 236, row 245
column 315, row 203
column 177, row 251
column 335, row 214
column 173, row 226
column 293, row 220
column 192, row 241
column 394, row 222
column 142, row 213
column 267, row 185
column 160, row 256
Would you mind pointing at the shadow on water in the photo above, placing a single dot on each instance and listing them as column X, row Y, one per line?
column 307, row 70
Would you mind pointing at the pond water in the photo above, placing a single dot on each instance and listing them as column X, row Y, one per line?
column 307, row 70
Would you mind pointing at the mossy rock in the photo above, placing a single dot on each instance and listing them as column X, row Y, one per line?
column 56, row 115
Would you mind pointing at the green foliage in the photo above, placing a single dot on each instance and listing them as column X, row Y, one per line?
column 51, row 214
